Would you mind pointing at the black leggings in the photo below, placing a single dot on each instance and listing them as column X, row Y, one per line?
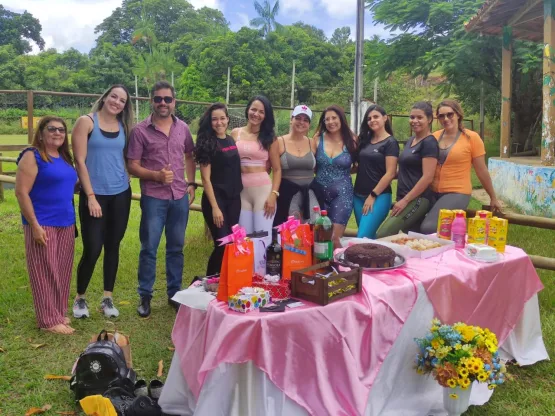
column 231, row 208
column 107, row 231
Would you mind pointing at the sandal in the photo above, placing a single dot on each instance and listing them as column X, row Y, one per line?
column 60, row 329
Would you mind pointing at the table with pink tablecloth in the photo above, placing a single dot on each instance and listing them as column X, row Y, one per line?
column 326, row 359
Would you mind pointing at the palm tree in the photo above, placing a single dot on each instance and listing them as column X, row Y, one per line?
column 267, row 14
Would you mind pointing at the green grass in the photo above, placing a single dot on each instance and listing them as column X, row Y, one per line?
column 23, row 368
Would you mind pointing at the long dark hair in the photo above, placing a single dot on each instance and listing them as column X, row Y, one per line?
column 38, row 143
column 267, row 127
column 126, row 116
column 366, row 133
column 207, row 141
column 346, row 133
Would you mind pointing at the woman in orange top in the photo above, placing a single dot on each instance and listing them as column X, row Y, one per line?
column 460, row 149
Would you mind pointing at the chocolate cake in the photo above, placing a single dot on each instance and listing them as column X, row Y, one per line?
column 370, row 255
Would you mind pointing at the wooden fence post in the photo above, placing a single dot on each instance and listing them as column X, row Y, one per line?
column 1, row 183
column 30, row 106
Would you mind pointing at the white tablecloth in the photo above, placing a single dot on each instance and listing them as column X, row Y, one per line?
column 244, row 390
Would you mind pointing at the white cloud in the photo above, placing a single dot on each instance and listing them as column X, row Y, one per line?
column 340, row 8
column 70, row 23
column 297, row 6
column 240, row 21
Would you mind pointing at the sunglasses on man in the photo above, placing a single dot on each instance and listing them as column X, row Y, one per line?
column 52, row 129
column 449, row 115
column 158, row 99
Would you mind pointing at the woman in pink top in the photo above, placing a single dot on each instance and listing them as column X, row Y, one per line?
column 254, row 142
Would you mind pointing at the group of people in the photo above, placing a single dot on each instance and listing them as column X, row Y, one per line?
column 250, row 177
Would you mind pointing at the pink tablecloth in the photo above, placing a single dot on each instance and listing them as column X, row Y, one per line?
column 326, row 358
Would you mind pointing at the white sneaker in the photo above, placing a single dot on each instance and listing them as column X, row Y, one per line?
column 80, row 308
column 107, row 306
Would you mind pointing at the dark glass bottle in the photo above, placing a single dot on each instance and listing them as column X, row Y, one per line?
column 274, row 256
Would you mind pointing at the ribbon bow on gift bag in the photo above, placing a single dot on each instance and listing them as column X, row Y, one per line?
column 237, row 266
column 296, row 240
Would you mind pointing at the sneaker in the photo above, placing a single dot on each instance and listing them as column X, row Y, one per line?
column 80, row 308
column 107, row 306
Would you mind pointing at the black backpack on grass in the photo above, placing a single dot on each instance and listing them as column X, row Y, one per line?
column 100, row 366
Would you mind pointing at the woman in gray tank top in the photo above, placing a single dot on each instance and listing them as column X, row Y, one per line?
column 297, row 168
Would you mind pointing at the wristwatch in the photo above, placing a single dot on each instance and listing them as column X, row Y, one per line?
column 193, row 184
column 375, row 195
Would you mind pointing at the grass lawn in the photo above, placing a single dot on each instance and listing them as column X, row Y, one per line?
column 23, row 367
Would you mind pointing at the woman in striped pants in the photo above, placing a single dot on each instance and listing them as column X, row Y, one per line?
column 44, row 186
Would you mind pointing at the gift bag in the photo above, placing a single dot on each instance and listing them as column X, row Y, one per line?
column 296, row 242
column 260, row 242
column 237, row 265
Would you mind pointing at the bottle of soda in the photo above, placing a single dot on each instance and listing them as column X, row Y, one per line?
column 315, row 216
column 274, row 256
column 323, row 232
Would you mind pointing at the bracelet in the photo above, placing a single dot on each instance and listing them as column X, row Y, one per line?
column 193, row 184
column 375, row 195
column 276, row 193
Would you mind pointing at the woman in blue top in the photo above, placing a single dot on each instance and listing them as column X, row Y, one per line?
column 44, row 185
column 99, row 140
column 335, row 148
column 377, row 167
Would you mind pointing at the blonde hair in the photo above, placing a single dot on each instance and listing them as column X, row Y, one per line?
column 126, row 116
column 38, row 143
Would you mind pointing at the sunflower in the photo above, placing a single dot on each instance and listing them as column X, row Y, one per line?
column 452, row 383
column 453, row 396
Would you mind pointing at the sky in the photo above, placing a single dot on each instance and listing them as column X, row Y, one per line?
column 70, row 23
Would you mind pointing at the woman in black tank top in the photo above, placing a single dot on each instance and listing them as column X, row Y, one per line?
column 220, row 170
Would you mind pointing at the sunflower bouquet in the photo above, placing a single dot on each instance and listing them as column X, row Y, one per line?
column 456, row 355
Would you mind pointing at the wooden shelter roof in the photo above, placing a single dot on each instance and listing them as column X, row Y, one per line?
column 526, row 18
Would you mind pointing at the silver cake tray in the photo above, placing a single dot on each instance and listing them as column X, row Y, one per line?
column 398, row 262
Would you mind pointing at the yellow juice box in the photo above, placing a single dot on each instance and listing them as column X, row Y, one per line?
column 497, row 233
column 444, row 221
column 476, row 230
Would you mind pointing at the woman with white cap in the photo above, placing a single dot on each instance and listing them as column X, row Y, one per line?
column 297, row 169
column 335, row 147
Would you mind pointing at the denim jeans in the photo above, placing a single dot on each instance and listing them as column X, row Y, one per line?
column 158, row 214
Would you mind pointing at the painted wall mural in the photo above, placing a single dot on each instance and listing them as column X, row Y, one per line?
column 531, row 189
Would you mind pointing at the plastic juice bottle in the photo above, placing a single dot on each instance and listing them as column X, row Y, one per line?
column 323, row 245
column 444, row 222
column 458, row 230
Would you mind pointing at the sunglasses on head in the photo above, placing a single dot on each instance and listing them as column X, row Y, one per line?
column 449, row 115
column 158, row 99
column 52, row 129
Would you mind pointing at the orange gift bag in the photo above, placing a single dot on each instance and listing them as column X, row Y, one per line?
column 296, row 241
column 237, row 265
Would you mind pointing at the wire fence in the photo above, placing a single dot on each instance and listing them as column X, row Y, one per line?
column 20, row 110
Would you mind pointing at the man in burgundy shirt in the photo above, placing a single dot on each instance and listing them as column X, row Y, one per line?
column 155, row 155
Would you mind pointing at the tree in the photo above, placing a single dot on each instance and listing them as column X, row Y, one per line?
column 17, row 29
column 435, row 40
column 267, row 14
column 341, row 36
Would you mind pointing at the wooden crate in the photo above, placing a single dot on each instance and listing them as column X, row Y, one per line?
column 305, row 284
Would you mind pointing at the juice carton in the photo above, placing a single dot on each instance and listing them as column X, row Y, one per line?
column 497, row 235
column 477, row 230
column 444, row 221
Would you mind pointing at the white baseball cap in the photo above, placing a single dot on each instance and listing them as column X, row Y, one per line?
column 302, row 109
